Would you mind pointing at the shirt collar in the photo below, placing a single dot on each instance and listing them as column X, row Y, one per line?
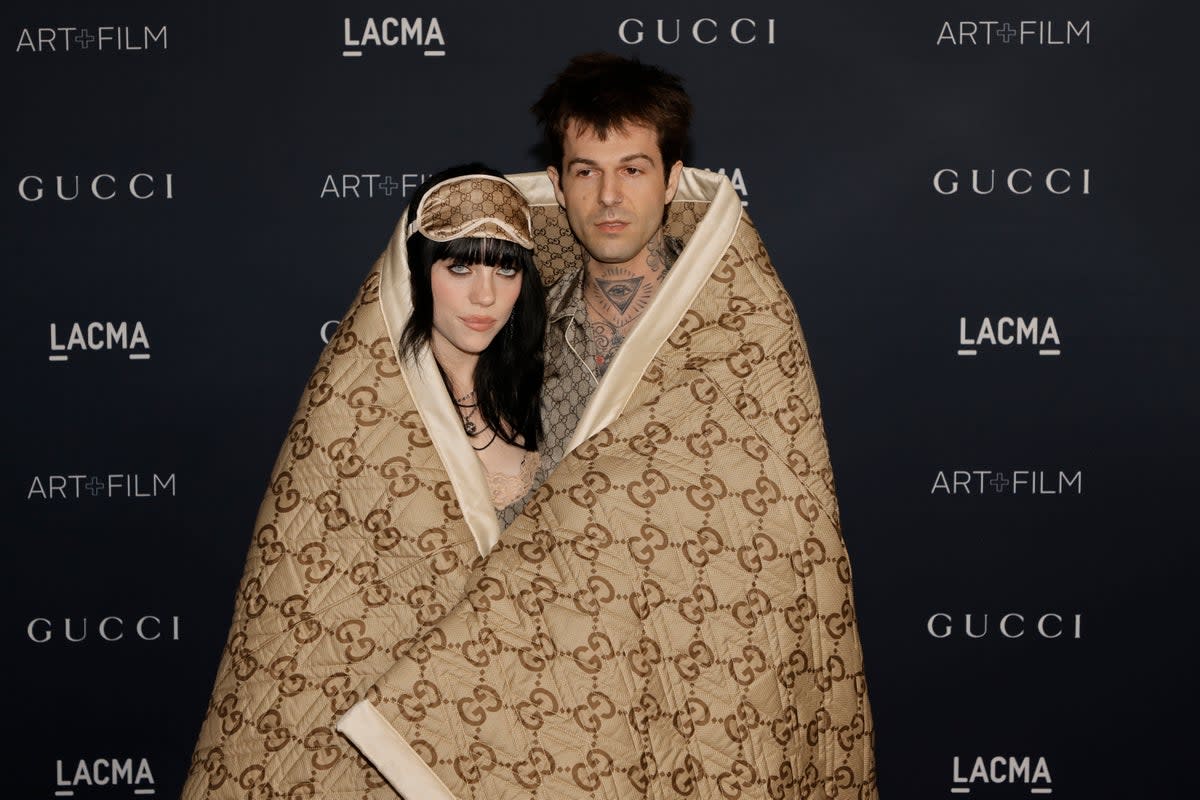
column 565, row 298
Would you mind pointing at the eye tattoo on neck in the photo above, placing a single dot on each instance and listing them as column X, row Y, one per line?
column 619, row 292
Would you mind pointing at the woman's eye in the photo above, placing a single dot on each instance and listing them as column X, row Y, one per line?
column 459, row 269
column 507, row 272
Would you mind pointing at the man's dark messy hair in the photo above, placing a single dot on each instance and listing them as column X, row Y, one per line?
column 602, row 92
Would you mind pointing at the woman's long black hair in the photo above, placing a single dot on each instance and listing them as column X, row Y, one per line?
column 508, row 375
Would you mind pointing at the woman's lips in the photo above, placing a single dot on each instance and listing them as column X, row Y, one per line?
column 478, row 323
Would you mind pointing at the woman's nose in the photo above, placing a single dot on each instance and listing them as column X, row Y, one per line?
column 483, row 289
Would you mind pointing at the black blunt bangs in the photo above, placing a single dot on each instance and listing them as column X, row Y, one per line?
column 498, row 253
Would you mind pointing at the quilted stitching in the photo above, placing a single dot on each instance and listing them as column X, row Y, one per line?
column 671, row 615
column 338, row 581
column 674, row 616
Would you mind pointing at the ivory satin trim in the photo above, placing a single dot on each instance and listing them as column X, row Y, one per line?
column 691, row 271
column 433, row 401
column 406, row 771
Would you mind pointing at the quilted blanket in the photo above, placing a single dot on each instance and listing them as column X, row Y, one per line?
column 671, row 616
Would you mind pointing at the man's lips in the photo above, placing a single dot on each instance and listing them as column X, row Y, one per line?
column 478, row 323
column 612, row 225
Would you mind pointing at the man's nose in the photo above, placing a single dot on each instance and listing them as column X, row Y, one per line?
column 610, row 190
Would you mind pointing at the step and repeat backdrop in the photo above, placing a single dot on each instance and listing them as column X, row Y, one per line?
column 984, row 212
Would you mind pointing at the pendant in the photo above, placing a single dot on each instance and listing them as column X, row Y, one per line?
column 469, row 427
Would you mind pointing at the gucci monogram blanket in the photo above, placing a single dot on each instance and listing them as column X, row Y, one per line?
column 671, row 616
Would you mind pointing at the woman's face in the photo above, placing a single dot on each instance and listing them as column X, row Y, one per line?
column 471, row 304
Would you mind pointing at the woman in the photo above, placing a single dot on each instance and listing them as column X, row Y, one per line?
column 479, row 307
column 419, row 424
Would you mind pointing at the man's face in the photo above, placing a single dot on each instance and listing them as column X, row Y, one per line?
column 613, row 190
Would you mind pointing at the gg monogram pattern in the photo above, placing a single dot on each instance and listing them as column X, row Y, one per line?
column 475, row 205
column 672, row 615
column 359, row 543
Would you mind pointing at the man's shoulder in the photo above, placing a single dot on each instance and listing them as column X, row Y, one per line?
column 563, row 293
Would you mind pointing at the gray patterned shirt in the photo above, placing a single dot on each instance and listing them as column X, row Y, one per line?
column 570, row 377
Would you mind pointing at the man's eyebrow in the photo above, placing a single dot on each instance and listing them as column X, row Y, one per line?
column 589, row 162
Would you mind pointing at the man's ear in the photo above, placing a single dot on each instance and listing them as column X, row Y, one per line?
column 673, row 180
column 556, row 184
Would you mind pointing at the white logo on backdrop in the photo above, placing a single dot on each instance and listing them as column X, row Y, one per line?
column 111, row 773
column 1032, row 333
column 1019, row 181
column 84, row 337
column 1029, row 773
column 1007, row 482
column 1044, row 32
column 393, row 32
column 102, row 39
column 369, row 185
column 105, row 486
column 702, row 31
column 105, row 186
column 148, row 628
column 1008, row 626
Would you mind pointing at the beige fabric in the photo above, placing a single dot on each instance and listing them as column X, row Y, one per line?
column 375, row 510
column 474, row 206
column 672, row 615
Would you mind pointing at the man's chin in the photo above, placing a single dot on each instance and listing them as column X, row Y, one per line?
column 607, row 253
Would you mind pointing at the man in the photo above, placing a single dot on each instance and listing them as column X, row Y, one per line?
column 615, row 132
column 672, row 614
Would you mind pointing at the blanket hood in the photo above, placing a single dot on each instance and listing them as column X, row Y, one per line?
column 707, row 238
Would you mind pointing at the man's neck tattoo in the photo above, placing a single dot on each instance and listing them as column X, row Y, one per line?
column 661, row 252
column 616, row 296
column 619, row 292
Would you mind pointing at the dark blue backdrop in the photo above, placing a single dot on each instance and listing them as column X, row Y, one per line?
column 209, row 183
